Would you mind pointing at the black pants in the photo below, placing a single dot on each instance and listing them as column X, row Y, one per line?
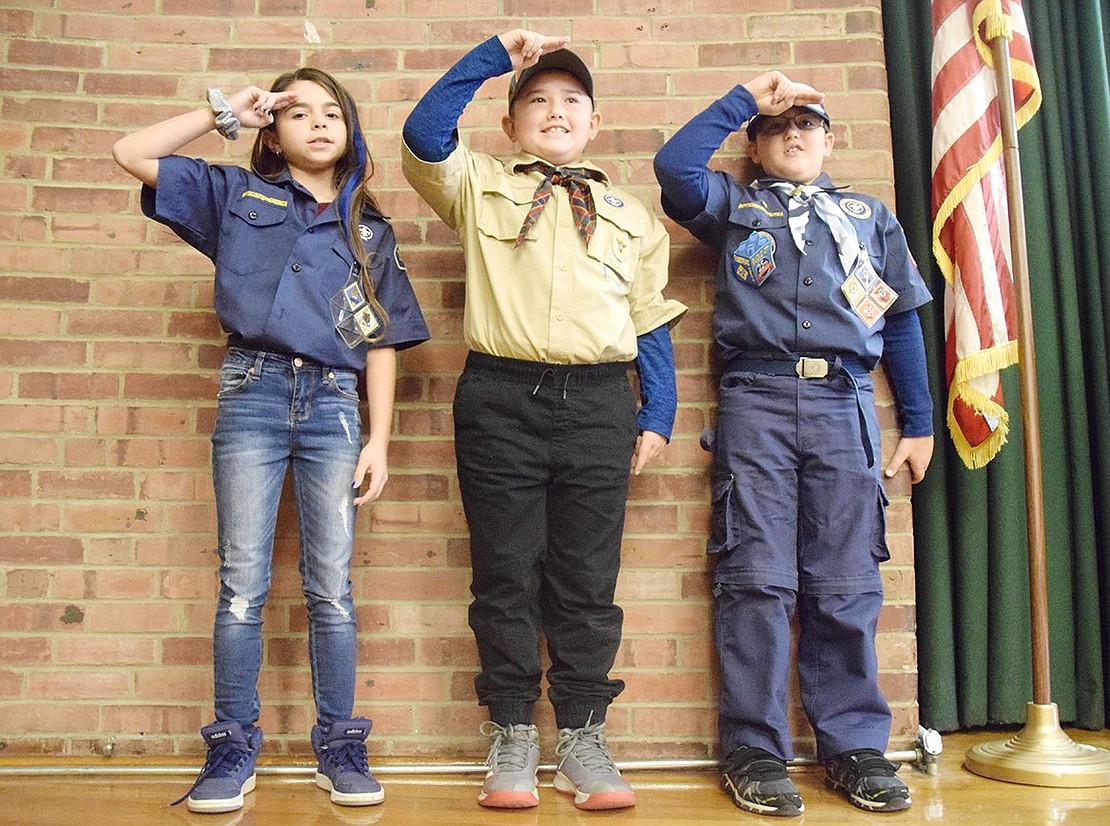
column 543, row 454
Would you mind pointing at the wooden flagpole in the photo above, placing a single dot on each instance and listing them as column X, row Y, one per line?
column 1041, row 754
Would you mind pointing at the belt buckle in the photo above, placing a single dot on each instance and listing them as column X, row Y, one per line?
column 810, row 368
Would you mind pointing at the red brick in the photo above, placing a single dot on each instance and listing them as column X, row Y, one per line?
column 79, row 685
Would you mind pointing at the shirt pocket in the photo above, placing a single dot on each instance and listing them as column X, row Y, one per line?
column 618, row 236
column 502, row 208
column 253, row 233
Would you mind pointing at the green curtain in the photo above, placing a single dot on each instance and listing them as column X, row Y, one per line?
column 969, row 526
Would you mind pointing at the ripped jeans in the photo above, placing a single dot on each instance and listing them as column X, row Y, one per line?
column 277, row 412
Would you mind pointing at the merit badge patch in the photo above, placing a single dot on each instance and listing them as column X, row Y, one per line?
column 755, row 258
column 855, row 208
column 613, row 200
column 868, row 295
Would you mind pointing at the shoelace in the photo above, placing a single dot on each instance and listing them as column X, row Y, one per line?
column 223, row 761
column 510, row 747
column 588, row 745
column 347, row 756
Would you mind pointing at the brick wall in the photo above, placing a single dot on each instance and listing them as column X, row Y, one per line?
column 109, row 344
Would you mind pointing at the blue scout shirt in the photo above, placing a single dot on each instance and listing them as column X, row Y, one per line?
column 799, row 308
column 793, row 304
column 279, row 264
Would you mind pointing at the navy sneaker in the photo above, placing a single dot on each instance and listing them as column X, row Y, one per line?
column 344, row 771
column 228, row 773
column 868, row 780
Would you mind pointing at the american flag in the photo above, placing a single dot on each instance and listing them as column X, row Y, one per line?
column 971, row 233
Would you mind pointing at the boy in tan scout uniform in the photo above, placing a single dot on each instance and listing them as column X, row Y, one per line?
column 564, row 281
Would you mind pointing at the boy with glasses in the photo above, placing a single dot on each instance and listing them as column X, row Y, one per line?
column 813, row 286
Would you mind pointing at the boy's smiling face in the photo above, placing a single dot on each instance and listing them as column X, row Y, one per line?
column 553, row 118
column 794, row 155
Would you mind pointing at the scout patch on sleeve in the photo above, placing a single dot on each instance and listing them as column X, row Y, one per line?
column 868, row 295
column 754, row 259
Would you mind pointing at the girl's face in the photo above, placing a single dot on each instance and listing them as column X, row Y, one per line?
column 310, row 133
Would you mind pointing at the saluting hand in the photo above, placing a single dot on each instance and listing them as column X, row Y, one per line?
column 255, row 107
column 774, row 93
column 525, row 47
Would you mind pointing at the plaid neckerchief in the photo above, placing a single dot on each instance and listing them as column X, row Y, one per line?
column 577, row 184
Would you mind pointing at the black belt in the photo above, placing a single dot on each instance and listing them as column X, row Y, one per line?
column 807, row 367
column 804, row 367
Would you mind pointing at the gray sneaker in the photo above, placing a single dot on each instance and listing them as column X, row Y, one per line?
column 586, row 769
column 513, row 757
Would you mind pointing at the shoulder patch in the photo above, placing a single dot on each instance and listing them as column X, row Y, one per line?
column 855, row 208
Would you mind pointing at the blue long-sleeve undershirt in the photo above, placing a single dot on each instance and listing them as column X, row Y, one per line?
column 431, row 129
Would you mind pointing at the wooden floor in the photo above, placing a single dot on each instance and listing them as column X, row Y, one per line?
column 951, row 796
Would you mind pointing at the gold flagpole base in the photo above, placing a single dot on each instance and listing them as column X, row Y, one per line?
column 1041, row 754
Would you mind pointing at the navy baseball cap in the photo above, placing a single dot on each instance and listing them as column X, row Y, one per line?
column 816, row 108
column 563, row 60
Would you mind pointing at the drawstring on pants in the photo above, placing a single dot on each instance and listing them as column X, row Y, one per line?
column 550, row 372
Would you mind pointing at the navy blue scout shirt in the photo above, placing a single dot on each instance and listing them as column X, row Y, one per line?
column 279, row 263
column 799, row 309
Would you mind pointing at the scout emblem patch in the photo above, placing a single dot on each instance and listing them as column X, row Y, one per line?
column 354, row 318
column 868, row 295
column 856, row 208
column 755, row 258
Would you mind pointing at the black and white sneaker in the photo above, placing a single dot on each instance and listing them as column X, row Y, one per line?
column 868, row 780
column 758, row 783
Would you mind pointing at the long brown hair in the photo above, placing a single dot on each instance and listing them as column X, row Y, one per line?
column 351, row 174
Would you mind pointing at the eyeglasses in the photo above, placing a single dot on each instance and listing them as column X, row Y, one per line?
column 776, row 125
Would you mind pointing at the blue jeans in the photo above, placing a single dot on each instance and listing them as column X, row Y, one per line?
column 275, row 412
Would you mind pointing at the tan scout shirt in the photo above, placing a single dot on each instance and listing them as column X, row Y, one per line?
column 552, row 300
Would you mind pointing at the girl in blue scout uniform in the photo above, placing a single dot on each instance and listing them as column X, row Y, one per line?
column 813, row 286
column 312, row 292
column 564, row 281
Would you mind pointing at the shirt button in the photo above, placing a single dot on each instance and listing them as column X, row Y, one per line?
column 808, row 281
column 298, row 362
column 809, row 242
column 252, row 215
column 296, row 268
column 806, row 325
column 757, row 223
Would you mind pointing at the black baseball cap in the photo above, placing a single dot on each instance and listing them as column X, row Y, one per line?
column 563, row 60
column 816, row 108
